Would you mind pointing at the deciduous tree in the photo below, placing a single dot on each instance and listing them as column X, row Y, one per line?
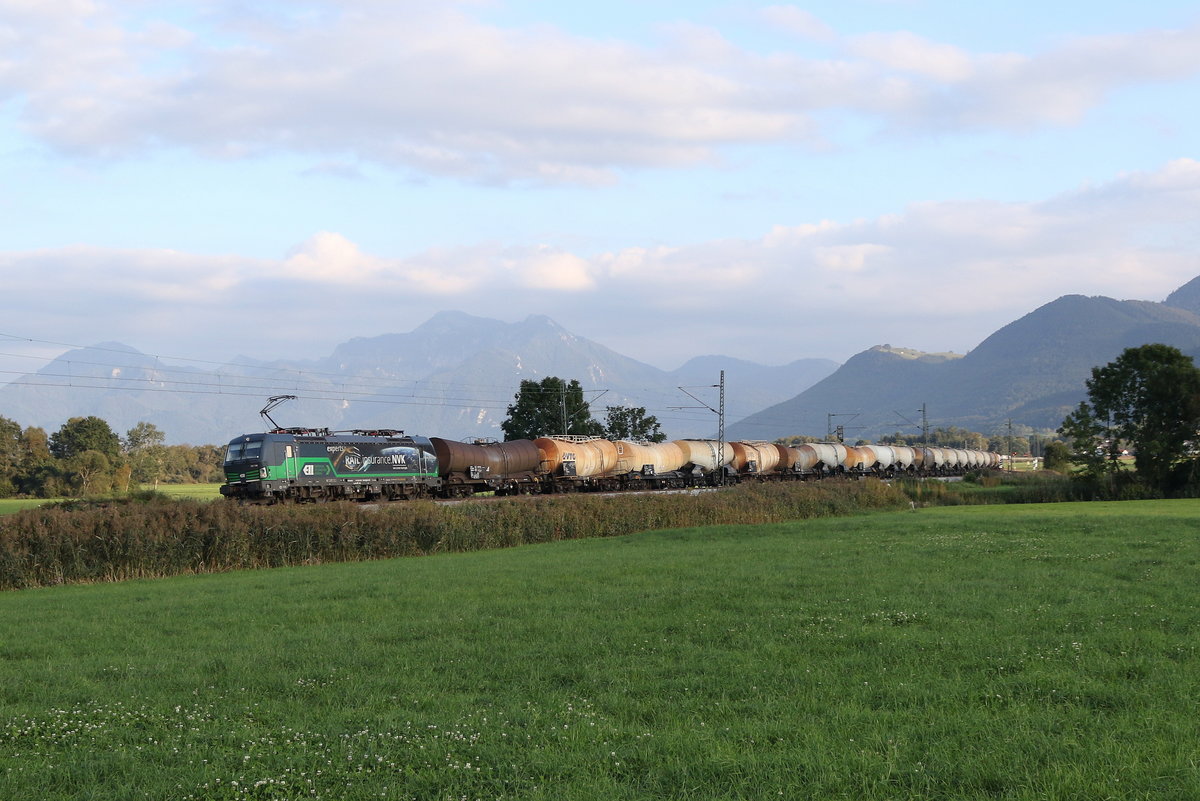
column 144, row 445
column 1148, row 398
column 1057, row 456
column 10, row 455
column 550, row 406
column 1092, row 445
column 81, row 434
column 632, row 423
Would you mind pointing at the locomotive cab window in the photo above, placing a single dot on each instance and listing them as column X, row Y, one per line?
column 243, row 450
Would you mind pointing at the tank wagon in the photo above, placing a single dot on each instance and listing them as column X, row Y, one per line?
column 302, row 465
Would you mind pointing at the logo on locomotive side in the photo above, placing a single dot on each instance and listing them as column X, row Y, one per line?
column 351, row 459
column 347, row 457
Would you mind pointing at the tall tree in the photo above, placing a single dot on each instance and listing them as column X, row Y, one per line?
column 143, row 435
column 1148, row 397
column 144, row 445
column 10, row 455
column 90, row 472
column 81, row 434
column 632, row 423
column 549, row 406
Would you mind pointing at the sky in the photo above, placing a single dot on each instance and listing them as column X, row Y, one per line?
column 210, row 178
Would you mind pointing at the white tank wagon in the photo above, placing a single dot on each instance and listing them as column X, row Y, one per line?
column 905, row 458
column 885, row 458
column 830, row 455
column 706, row 454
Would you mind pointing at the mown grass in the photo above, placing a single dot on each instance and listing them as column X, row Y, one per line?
column 198, row 492
column 10, row 506
column 1031, row 652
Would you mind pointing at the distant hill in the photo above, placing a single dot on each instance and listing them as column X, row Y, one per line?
column 1187, row 297
column 451, row 376
column 455, row 374
column 1031, row 371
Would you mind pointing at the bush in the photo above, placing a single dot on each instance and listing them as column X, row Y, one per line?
column 145, row 535
column 1057, row 456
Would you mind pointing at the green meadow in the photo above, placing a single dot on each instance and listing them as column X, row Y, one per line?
column 10, row 506
column 199, row 492
column 1015, row 652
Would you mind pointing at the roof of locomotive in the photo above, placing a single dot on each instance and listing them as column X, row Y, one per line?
column 356, row 435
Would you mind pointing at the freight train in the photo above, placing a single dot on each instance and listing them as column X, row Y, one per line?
column 301, row 464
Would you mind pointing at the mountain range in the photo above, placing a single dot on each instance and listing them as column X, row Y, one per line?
column 455, row 374
column 1032, row 372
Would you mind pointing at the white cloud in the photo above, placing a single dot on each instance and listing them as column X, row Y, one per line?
column 938, row 275
column 798, row 22
column 554, row 270
column 908, row 53
column 433, row 88
column 330, row 258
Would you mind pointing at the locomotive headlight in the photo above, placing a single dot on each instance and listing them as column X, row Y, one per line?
column 262, row 472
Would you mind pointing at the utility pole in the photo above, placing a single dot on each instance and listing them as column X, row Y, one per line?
column 1009, row 446
column 840, row 430
column 719, row 412
column 721, row 427
column 924, row 427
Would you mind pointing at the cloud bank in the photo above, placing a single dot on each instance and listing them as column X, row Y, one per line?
column 934, row 276
column 437, row 89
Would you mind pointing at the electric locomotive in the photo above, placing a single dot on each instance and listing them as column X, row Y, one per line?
column 298, row 464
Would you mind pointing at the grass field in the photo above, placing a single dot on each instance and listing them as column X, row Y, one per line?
column 10, row 506
column 200, row 492
column 1031, row 652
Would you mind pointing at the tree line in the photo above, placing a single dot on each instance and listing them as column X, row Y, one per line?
column 86, row 457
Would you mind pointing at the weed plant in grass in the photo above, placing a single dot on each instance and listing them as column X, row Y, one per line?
column 1031, row 652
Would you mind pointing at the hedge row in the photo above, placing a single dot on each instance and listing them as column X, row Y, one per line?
column 42, row 547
